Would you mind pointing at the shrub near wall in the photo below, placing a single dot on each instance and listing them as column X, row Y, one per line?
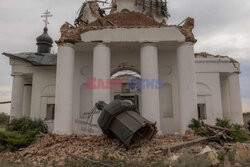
column 4, row 119
column 21, row 133
column 25, row 125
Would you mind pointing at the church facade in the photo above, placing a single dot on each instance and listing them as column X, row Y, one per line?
column 133, row 40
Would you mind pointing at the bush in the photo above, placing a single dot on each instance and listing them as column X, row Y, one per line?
column 196, row 126
column 21, row 133
column 238, row 136
column 25, row 125
column 4, row 119
column 237, row 126
column 14, row 140
column 236, row 133
column 223, row 123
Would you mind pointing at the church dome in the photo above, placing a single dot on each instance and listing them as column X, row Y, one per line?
column 44, row 42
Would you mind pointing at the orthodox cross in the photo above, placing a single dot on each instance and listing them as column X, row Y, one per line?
column 46, row 15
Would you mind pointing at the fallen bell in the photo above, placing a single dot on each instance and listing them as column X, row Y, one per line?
column 120, row 119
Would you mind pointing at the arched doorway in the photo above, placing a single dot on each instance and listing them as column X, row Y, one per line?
column 129, row 89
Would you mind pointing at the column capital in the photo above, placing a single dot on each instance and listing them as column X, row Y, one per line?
column 144, row 44
column 185, row 43
column 102, row 44
column 66, row 45
column 17, row 74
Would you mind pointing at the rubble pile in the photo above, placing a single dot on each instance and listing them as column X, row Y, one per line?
column 55, row 148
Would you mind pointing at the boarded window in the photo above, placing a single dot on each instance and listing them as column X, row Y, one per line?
column 202, row 115
column 50, row 114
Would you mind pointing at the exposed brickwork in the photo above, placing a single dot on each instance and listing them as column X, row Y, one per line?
column 187, row 30
column 126, row 19
column 207, row 55
column 122, row 20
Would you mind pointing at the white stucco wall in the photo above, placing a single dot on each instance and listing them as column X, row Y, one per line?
column 39, row 79
column 213, row 101
column 168, row 72
column 83, row 69
column 42, row 78
column 214, row 88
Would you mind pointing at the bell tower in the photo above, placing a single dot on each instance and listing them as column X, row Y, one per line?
column 153, row 8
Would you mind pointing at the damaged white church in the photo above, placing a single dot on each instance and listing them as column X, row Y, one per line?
column 132, row 39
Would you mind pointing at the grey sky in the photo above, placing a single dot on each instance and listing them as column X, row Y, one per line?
column 221, row 27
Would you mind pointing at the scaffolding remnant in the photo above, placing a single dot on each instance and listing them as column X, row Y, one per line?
column 159, row 7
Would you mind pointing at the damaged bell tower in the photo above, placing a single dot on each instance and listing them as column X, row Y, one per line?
column 91, row 10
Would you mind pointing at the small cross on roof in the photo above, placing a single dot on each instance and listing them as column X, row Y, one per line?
column 46, row 15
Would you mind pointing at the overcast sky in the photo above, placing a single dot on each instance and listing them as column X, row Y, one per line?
column 221, row 27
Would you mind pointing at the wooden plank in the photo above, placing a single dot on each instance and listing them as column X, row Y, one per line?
column 188, row 144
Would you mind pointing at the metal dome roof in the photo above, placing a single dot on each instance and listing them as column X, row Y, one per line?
column 44, row 38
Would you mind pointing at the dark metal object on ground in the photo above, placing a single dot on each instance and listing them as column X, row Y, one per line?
column 5, row 102
column 129, row 96
column 120, row 119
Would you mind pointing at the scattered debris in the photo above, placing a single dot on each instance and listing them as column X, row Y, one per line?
column 213, row 158
column 186, row 144
column 54, row 149
column 207, row 149
column 211, row 154
column 89, row 161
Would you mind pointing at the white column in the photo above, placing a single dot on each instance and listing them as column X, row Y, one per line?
column 101, row 70
column 225, row 98
column 17, row 97
column 235, row 99
column 149, row 70
column 64, row 89
column 26, row 100
column 187, row 85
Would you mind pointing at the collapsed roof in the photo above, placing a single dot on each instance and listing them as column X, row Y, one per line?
column 92, row 17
